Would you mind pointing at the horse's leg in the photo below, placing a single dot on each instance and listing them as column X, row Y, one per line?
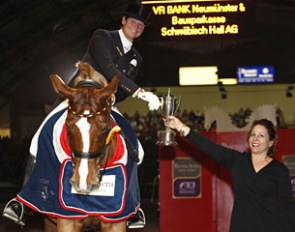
column 50, row 224
column 113, row 227
column 65, row 225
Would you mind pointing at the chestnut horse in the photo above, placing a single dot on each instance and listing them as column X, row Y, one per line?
column 90, row 136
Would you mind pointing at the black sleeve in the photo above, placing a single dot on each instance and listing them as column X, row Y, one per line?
column 220, row 154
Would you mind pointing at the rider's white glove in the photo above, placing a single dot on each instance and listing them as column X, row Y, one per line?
column 152, row 99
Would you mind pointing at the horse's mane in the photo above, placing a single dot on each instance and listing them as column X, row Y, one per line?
column 224, row 122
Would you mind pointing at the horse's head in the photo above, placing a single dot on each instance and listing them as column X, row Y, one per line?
column 88, row 124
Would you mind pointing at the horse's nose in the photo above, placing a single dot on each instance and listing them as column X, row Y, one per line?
column 92, row 187
column 75, row 185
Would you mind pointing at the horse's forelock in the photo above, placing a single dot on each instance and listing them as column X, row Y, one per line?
column 87, row 72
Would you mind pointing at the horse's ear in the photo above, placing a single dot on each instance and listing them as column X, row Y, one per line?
column 60, row 87
column 111, row 88
column 114, row 84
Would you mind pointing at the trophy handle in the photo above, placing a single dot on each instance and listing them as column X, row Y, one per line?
column 178, row 103
column 162, row 102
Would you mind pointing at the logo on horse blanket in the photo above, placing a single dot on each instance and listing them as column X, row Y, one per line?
column 48, row 190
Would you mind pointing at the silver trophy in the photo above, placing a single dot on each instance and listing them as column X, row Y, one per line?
column 169, row 106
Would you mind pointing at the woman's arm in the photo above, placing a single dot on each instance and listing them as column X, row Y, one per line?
column 220, row 154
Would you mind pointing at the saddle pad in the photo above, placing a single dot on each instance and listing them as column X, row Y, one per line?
column 109, row 199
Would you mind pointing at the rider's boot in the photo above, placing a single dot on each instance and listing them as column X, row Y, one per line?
column 137, row 221
column 15, row 210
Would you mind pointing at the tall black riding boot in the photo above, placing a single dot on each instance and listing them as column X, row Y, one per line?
column 15, row 210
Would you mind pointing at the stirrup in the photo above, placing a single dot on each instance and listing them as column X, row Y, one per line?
column 137, row 221
column 15, row 211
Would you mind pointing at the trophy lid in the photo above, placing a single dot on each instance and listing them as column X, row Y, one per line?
column 169, row 93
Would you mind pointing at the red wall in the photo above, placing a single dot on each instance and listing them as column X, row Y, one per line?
column 210, row 210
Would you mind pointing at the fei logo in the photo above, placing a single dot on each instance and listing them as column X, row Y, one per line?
column 187, row 185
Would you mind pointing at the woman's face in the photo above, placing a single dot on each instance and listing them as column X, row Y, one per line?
column 132, row 28
column 259, row 142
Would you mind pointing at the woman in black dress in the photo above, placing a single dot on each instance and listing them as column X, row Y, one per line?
column 263, row 200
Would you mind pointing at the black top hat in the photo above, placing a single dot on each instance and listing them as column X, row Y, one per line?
column 138, row 11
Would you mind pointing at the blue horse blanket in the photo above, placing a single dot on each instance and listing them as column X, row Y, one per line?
column 48, row 190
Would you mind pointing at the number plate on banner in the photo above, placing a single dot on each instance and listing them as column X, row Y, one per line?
column 106, row 187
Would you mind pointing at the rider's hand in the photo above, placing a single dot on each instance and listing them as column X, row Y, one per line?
column 152, row 99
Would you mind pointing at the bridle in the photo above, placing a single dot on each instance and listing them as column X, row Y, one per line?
column 98, row 154
column 88, row 115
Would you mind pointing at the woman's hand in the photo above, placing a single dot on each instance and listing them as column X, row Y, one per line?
column 175, row 123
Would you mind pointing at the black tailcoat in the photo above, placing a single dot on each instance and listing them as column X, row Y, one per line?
column 106, row 54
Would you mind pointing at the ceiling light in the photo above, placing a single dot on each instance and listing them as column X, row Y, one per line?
column 228, row 81
column 203, row 75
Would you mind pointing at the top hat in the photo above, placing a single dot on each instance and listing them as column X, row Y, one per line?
column 138, row 11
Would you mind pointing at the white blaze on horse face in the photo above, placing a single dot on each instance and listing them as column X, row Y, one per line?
column 84, row 127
